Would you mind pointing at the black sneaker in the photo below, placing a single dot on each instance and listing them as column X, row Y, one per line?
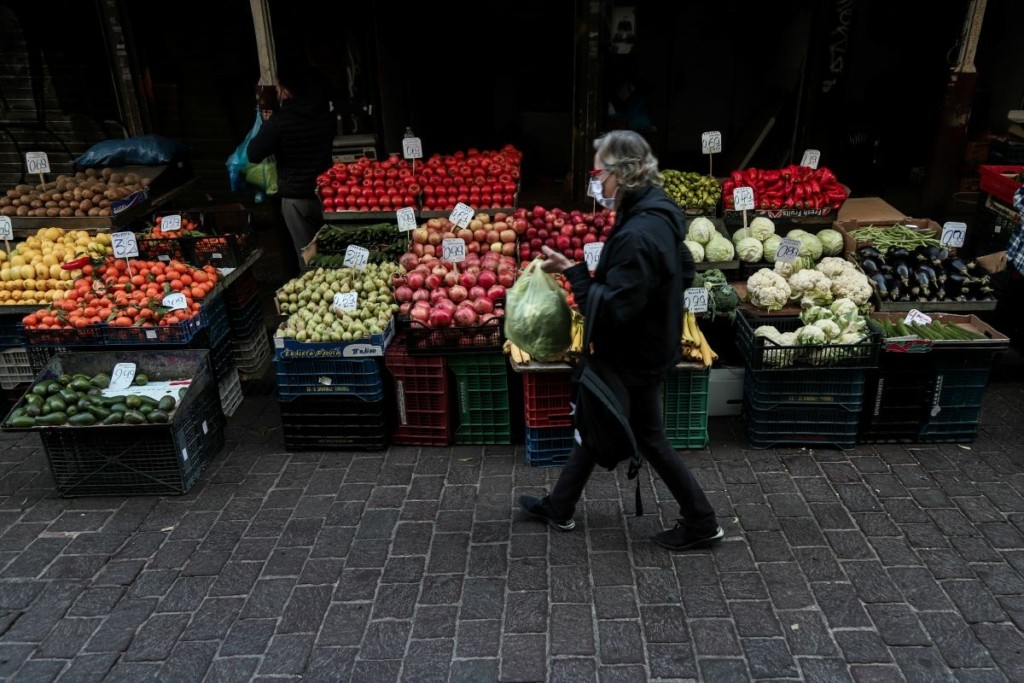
column 686, row 538
column 535, row 507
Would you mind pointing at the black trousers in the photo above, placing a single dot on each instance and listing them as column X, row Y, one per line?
column 645, row 417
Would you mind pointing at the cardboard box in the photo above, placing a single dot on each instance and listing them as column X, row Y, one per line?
column 850, row 244
column 993, row 263
column 870, row 209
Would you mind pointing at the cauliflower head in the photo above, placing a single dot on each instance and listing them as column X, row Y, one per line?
column 767, row 289
column 853, row 285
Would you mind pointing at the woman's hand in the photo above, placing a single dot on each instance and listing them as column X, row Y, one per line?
column 554, row 262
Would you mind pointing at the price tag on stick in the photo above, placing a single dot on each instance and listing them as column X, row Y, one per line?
column 592, row 254
column 412, row 148
column 122, row 376
column 406, row 219
column 953, row 234
column 38, row 162
column 356, row 257
column 711, row 144
column 695, row 299
column 124, row 245
column 810, row 158
column 6, row 232
column 788, row 251
column 743, row 200
column 346, row 301
column 170, row 223
column 461, row 215
column 175, row 301
column 453, row 249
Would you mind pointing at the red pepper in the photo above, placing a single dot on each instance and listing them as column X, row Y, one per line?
column 825, row 175
column 737, row 177
column 772, row 176
column 76, row 264
column 727, row 187
column 815, row 187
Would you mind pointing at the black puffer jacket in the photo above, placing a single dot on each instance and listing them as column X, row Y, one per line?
column 299, row 135
column 640, row 278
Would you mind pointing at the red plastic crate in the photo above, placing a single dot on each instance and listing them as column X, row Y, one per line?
column 424, row 429
column 546, row 399
column 998, row 181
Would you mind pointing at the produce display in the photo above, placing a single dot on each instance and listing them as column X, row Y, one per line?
column 758, row 243
column 837, row 324
column 695, row 346
column 119, row 293
column 935, row 330
column 904, row 265
column 707, row 243
column 309, row 303
column 188, row 228
column 723, row 299
column 382, row 240
column 831, row 278
column 43, row 267
column 482, row 179
column 80, row 401
column 692, row 191
column 792, row 187
column 564, row 231
column 86, row 193
column 497, row 233
column 436, row 294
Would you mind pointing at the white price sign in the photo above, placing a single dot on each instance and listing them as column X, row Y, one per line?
column 953, row 234
column 124, row 245
column 461, row 215
column 122, row 376
column 346, row 301
column 356, row 257
column 592, row 254
column 743, row 198
column 412, row 148
column 810, row 158
column 711, row 142
column 6, row 231
column 916, row 316
column 170, row 223
column 788, row 251
column 453, row 249
column 695, row 299
column 37, row 162
column 175, row 301
column 406, row 219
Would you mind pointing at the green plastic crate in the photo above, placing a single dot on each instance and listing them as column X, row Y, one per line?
column 686, row 408
column 481, row 387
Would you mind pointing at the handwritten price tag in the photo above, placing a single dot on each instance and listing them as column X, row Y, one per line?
column 346, row 301
column 175, row 301
column 695, row 299
column 124, row 245
column 810, row 158
column 6, row 231
column 743, row 198
column 412, row 148
column 122, row 376
column 453, row 249
column 37, row 162
column 788, row 251
column 356, row 257
column 461, row 215
column 406, row 219
column 170, row 223
column 711, row 142
column 916, row 316
column 953, row 234
column 592, row 254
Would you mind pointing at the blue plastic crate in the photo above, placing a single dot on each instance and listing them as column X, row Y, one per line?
column 549, row 446
column 361, row 379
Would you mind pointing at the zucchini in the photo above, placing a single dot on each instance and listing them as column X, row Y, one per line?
column 22, row 422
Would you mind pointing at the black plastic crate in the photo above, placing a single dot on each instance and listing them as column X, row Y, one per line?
column 760, row 353
column 799, row 425
column 321, row 423
column 243, row 290
column 11, row 330
column 426, row 341
column 839, row 386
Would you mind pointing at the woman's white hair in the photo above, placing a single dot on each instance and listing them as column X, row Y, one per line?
column 627, row 154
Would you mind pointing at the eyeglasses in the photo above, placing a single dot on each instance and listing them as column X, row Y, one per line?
column 597, row 173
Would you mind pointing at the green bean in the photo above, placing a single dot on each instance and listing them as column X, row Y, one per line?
column 897, row 235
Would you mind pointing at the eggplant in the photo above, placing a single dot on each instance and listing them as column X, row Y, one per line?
column 957, row 265
column 903, row 272
column 868, row 251
column 954, row 284
column 880, row 286
column 936, row 255
column 930, row 273
column 869, row 266
column 923, row 285
column 897, row 253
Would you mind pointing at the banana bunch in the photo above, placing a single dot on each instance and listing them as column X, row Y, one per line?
column 517, row 354
column 695, row 346
column 576, row 346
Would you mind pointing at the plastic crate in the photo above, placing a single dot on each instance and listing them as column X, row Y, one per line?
column 90, row 335
column 546, row 398
column 491, row 432
column 246, row 320
column 549, row 446
column 148, row 459
column 224, row 249
column 243, row 290
column 15, row 368
column 230, row 393
column 223, row 361
column 477, row 339
column 843, row 386
column 762, row 354
column 686, row 408
column 896, row 401
column 421, row 383
column 252, row 355
column 425, row 428
column 951, row 425
column 11, row 330
column 999, row 182
column 796, row 425
column 481, row 388
column 361, row 379
column 321, row 423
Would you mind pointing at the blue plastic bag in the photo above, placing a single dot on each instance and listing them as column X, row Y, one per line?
column 238, row 162
column 144, row 150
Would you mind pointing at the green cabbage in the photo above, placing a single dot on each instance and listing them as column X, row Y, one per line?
column 740, row 234
column 831, row 242
column 810, row 246
column 701, row 230
column 749, row 249
column 771, row 246
column 696, row 249
column 761, row 228
column 719, row 249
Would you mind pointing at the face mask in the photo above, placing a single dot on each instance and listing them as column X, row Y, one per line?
column 597, row 193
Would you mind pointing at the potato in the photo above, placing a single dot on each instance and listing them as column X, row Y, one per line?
column 94, row 211
column 22, row 210
column 105, row 211
column 117, row 178
column 66, row 212
column 36, row 204
column 131, row 178
column 22, row 189
column 106, row 173
column 52, row 212
column 8, row 211
column 91, row 172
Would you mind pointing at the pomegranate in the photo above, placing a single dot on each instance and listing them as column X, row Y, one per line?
column 403, row 294
column 440, row 317
column 465, row 317
column 458, row 293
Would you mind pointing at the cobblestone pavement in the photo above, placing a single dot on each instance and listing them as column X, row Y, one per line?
column 886, row 563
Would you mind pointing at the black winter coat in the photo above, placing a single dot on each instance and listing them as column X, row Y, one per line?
column 640, row 278
column 299, row 135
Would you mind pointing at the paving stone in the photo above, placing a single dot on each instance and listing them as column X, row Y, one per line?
column 955, row 640
column 321, row 571
column 344, row 623
column 945, row 563
column 611, row 569
column 1000, row 579
column 876, row 524
column 602, row 540
column 897, row 625
column 895, row 552
column 120, row 573
column 329, row 664
column 395, row 601
column 716, row 669
column 153, row 584
column 871, row 581
column 448, row 553
column 441, row 589
column 118, row 630
column 786, row 585
column 862, row 646
column 268, row 598
column 88, row 668
column 156, row 637
column 818, row 669
column 664, row 624
column 619, row 642
column 974, row 601
column 849, row 545
column 305, row 610
column 704, row 601
column 743, row 586
column 819, row 564
column 523, row 658
column 526, row 612
column 41, row 670
column 287, row 654
column 577, row 669
column 919, row 588
column 975, row 549
column 528, row 573
column 530, row 545
column 428, row 660
column 734, row 556
column 807, row 633
column 714, row 637
column 96, row 602
column 768, row 658
column 189, row 661
column 67, row 638
column 802, row 531
column 920, row 665
column 876, row 673
column 237, row 578
column 381, row 671
column 482, row 598
column 1004, row 643
column 754, row 618
column 213, row 619
column 571, row 584
column 488, row 560
column 474, row 670
column 671, row 661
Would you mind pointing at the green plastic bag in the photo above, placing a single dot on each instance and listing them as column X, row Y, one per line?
column 537, row 315
column 263, row 175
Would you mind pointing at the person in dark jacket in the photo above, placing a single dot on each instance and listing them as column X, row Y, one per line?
column 299, row 135
column 640, row 277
